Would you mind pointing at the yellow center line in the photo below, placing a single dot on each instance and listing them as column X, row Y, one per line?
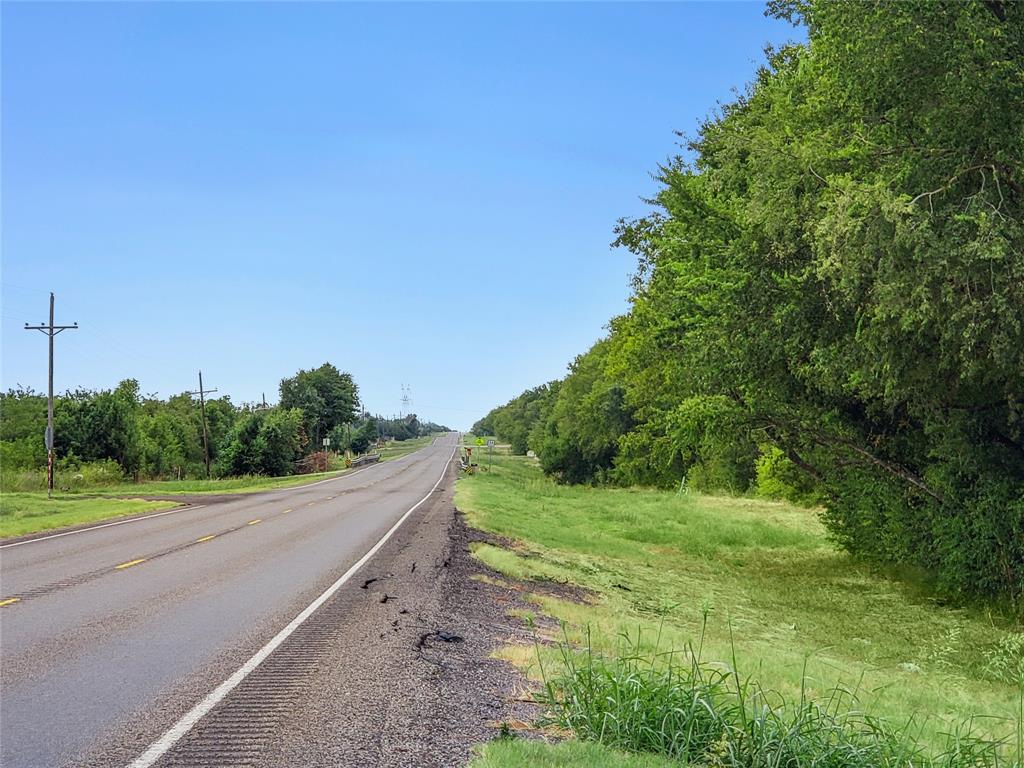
column 286, row 512
column 130, row 563
column 205, row 538
column 10, row 601
column 253, row 522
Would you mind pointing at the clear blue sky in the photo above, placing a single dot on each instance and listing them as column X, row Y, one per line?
column 421, row 194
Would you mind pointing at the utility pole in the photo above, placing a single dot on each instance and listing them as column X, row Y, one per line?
column 50, row 330
column 202, row 405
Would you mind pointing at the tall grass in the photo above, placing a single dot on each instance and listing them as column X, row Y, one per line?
column 674, row 704
column 68, row 478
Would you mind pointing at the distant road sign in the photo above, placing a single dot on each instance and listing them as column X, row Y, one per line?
column 479, row 441
column 491, row 443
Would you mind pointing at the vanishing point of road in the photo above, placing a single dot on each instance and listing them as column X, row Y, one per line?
column 126, row 638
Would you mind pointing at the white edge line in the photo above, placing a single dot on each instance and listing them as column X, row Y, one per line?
column 174, row 734
column 185, row 508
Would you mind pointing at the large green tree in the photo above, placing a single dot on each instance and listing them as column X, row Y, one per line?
column 577, row 434
column 838, row 266
column 100, row 425
column 263, row 443
column 326, row 396
column 833, row 277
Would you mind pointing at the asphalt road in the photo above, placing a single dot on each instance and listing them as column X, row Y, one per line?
column 120, row 631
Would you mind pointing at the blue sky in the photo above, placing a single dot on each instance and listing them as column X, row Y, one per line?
column 421, row 194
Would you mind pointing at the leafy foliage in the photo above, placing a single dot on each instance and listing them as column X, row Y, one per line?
column 513, row 421
column 144, row 436
column 326, row 396
column 264, row 443
column 832, row 281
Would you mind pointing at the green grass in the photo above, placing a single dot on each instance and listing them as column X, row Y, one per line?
column 519, row 753
column 398, row 449
column 804, row 617
column 22, row 513
column 71, row 486
column 244, row 484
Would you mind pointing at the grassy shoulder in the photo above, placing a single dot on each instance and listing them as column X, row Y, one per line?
column 224, row 485
column 518, row 753
column 29, row 512
column 801, row 616
column 22, row 513
column 399, row 448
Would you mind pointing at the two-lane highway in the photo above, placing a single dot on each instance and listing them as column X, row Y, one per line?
column 102, row 625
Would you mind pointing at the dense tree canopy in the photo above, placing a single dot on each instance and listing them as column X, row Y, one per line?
column 144, row 436
column 264, row 442
column 326, row 396
column 833, row 277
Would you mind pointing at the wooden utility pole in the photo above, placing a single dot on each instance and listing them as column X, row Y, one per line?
column 50, row 330
column 202, row 405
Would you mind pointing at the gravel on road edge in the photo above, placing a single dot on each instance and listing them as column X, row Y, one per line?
column 395, row 671
column 411, row 680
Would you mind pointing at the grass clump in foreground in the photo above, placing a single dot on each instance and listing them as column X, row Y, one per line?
column 22, row 513
column 519, row 753
column 759, row 587
column 675, row 705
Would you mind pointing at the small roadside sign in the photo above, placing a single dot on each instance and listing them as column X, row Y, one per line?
column 327, row 441
column 48, row 438
column 490, row 443
column 479, row 441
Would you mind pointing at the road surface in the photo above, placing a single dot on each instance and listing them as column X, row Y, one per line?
column 121, row 632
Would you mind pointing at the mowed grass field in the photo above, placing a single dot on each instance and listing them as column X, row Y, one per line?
column 22, row 513
column 800, row 615
column 29, row 512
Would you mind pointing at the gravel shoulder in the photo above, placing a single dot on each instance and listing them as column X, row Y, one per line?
column 397, row 669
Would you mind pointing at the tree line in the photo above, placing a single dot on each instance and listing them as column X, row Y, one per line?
column 143, row 436
column 829, row 300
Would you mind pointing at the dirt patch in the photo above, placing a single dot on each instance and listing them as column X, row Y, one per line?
column 410, row 678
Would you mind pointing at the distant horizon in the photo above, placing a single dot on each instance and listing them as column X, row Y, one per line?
column 419, row 194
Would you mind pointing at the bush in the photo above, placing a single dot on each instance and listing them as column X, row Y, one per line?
column 24, row 453
column 70, row 476
column 263, row 443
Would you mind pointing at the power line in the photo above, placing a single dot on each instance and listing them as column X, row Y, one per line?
column 202, row 404
column 50, row 330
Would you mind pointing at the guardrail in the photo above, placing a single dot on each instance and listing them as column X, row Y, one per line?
column 370, row 458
